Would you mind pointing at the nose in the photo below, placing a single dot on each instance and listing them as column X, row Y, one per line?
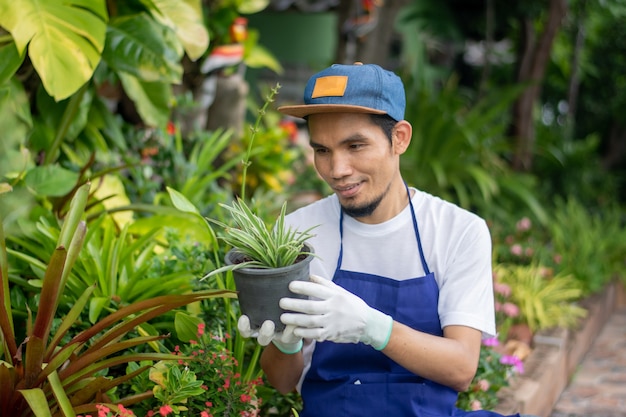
column 340, row 166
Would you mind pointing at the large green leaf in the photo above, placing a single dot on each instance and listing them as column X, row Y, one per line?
column 51, row 180
column 184, row 17
column 10, row 61
column 64, row 37
column 139, row 46
column 152, row 99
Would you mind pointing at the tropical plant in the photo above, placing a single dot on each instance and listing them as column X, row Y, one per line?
column 78, row 363
column 590, row 244
column 456, row 151
column 545, row 299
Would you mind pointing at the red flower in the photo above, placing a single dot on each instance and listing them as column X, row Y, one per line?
column 170, row 128
column 165, row 410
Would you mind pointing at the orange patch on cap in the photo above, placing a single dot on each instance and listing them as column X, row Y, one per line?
column 334, row 85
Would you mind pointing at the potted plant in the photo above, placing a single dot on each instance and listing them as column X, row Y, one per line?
column 263, row 258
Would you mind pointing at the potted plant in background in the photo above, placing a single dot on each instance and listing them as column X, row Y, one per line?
column 263, row 258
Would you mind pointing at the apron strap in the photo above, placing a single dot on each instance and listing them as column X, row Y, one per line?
column 415, row 228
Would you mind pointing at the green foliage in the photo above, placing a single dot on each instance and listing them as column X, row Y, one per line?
column 75, row 369
column 572, row 168
column 206, row 378
column 456, row 151
column 590, row 245
column 545, row 300
column 195, row 164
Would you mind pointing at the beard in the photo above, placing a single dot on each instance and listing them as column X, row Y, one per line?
column 366, row 209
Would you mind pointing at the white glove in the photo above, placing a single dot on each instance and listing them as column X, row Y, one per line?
column 286, row 341
column 334, row 314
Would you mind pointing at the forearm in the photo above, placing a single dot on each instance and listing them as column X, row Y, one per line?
column 282, row 370
column 450, row 360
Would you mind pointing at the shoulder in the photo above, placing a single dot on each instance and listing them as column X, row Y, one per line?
column 442, row 219
column 319, row 212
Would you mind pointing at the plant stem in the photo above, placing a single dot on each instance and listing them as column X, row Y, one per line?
column 246, row 162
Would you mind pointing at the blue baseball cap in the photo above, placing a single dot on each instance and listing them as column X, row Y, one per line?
column 356, row 88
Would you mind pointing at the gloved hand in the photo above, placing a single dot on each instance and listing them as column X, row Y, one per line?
column 334, row 314
column 285, row 341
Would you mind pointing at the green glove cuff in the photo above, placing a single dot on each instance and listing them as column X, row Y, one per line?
column 378, row 329
column 288, row 348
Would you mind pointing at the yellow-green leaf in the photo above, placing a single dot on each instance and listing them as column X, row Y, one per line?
column 64, row 37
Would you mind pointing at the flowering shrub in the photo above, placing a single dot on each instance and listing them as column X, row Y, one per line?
column 494, row 372
column 225, row 391
column 111, row 411
column 204, row 382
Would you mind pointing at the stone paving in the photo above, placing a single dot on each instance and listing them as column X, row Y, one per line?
column 598, row 387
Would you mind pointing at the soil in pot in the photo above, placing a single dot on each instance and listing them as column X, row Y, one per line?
column 260, row 289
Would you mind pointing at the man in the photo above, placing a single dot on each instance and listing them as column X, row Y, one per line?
column 401, row 289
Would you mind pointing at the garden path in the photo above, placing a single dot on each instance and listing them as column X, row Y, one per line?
column 598, row 387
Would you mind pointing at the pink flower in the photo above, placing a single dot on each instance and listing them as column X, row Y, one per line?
column 502, row 289
column 516, row 249
column 491, row 342
column 510, row 309
column 558, row 259
column 514, row 361
column 476, row 405
column 483, row 385
column 523, row 225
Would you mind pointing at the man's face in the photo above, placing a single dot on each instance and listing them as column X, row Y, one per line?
column 355, row 157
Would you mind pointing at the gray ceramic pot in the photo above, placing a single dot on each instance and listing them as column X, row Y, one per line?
column 260, row 289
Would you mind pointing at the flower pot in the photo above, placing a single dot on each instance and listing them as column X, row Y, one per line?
column 260, row 289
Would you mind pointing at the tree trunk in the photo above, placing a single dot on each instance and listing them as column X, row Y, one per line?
column 533, row 63
column 370, row 42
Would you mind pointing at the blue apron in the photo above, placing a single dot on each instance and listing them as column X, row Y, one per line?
column 348, row 379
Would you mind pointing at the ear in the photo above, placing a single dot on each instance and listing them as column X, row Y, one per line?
column 402, row 132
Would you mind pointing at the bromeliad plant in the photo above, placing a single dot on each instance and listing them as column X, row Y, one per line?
column 64, row 371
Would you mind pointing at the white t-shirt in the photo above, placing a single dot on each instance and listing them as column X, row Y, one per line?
column 456, row 245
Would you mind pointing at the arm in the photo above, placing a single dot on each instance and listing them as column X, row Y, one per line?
column 450, row 360
column 283, row 370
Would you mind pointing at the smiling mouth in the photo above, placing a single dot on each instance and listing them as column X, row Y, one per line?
column 348, row 190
